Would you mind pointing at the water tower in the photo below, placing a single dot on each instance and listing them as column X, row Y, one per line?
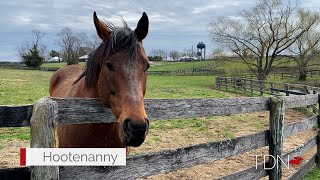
column 201, row 46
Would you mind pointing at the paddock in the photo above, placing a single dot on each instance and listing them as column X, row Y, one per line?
column 73, row 111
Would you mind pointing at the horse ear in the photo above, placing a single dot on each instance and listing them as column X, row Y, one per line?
column 142, row 27
column 102, row 30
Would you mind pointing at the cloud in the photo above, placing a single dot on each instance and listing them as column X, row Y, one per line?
column 199, row 10
column 173, row 24
column 22, row 19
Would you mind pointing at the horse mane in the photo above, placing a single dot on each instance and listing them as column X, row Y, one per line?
column 121, row 38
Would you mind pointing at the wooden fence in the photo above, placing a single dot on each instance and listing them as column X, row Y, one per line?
column 31, row 68
column 188, row 72
column 279, row 75
column 204, row 70
column 44, row 116
column 253, row 86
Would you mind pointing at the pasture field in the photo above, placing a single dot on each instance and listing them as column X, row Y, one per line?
column 154, row 66
column 314, row 173
column 19, row 87
column 58, row 65
column 237, row 67
column 173, row 66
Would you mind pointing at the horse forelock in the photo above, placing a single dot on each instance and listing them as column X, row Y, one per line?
column 121, row 38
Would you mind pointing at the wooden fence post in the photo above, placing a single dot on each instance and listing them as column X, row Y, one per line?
column 251, row 86
column 306, row 89
column 261, row 87
column 218, row 82
column 318, row 137
column 287, row 89
column 43, row 135
column 271, row 87
column 234, row 84
column 245, row 84
column 277, row 112
column 226, row 82
column 315, row 105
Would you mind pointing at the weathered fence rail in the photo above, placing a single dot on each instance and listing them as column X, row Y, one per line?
column 48, row 112
column 31, row 68
column 188, row 72
column 263, row 87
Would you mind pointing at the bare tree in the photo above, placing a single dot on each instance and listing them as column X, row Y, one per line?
column 307, row 47
column 73, row 45
column 187, row 52
column 67, row 42
column 32, row 52
column 94, row 41
column 174, row 55
column 260, row 35
column 160, row 53
column 218, row 53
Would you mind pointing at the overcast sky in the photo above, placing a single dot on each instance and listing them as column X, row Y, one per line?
column 173, row 24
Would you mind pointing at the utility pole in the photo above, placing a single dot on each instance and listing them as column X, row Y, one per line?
column 192, row 60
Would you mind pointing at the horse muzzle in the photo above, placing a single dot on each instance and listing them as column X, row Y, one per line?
column 134, row 133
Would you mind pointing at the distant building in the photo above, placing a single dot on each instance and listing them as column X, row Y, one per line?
column 187, row 58
column 84, row 58
column 55, row 59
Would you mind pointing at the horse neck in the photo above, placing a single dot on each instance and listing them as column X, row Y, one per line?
column 80, row 90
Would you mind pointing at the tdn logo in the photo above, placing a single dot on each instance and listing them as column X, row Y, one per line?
column 296, row 161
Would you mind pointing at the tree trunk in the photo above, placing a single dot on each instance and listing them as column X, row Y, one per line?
column 262, row 75
column 303, row 73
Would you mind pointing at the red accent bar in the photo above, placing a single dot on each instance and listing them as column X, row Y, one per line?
column 22, row 156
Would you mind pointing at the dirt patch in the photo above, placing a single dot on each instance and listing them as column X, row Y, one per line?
column 215, row 129
column 233, row 164
column 10, row 152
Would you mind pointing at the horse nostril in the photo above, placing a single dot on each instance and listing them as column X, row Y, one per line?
column 126, row 125
column 132, row 128
column 134, row 131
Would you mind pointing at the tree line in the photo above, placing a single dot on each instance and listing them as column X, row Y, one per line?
column 160, row 54
column 72, row 46
column 271, row 34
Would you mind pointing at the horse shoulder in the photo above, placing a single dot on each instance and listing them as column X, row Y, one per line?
column 61, row 82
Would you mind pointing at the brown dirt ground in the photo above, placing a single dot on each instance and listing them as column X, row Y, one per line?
column 239, row 125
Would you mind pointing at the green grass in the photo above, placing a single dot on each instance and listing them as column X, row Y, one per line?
column 155, row 66
column 198, row 124
column 20, row 133
column 313, row 174
column 183, row 87
column 15, row 133
column 58, row 65
column 231, row 67
column 19, row 87
column 258, row 124
column 172, row 66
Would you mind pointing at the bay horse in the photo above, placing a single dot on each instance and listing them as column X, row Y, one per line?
column 116, row 73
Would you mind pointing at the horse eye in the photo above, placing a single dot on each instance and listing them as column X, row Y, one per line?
column 109, row 66
column 148, row 66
